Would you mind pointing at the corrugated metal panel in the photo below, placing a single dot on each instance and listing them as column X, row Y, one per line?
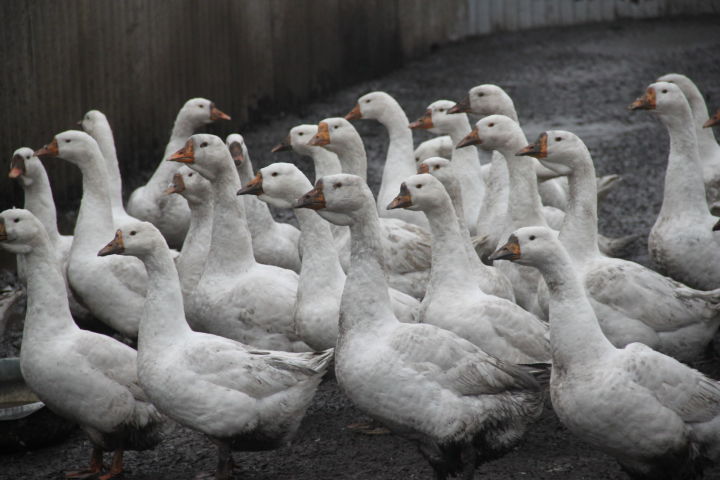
column 139, row 60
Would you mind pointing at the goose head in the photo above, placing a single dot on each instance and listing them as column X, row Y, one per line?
column 440, row 168
column 372, row 106
column 491, row 133
column 485, row 99
column 531, row 246
column 93, row 122
column 338, row 198
column 558, row 150
column 206, row 154
column 279, row 184
column 437, row 120
column 712, row 121
column 335, row 134
column 201, row 111
column 238, row 150
column 297, row 140
column 25, row 166
column 421, row 192
column 190, row 185
column 20, row 231
column 137, row 239
column 435, row 147
column 72, row 145
column 662, row 97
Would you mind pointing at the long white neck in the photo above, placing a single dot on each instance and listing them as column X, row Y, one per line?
column 183, row 129
column 320, row 269
column 104, row 137
column 231, row 244
column 684, row 185
column 94, row 225
column 48, row 312
column 494, row 209
column 579, row 229
column 365, row 300
column 524, row 206
column 705, row 136
column 399, row 161
column 466, row 163
column 353, row 158
column 163, row 321
column 326, row 162
column 575, row 335
column 450, row 265
column 196, row 246
column 39, row 200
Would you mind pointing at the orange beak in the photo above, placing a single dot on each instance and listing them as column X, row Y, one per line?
column 237, row 153
column 17, row 166
column 177, row 185
column 423, row 122
column 49, row 150
column 463, row 106
column 253, row 187
column 3, row 232
column 286, row 144
column 423, row 168
column 185, row 154
column 115, row 247
column 712, row 121
column 509, row 251
column 646, row 102
column 216, row 114
column 472, row 138
column 355, row 113
column 403, row 200
column 322, row 137
column 314, row 199
column 537, row 149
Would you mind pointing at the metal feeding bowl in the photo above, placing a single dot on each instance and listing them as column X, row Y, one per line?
column 25, row 422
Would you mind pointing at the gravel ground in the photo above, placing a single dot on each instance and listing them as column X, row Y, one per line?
column 579, row 79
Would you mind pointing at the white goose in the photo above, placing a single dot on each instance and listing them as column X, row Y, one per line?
column 632, row 303
column 31, row 174
column 88, row 378
column 274, row 243
column 96, row 124
column 440, row 146
column 399, row 161
column 457, row 403
column 170, row 213
column 113, row 289
column 490, row 279
column 454, row 301
column 708, row 148
column 325, row 163
column 322, row 279
column 684, row 221
column 236, row 297
column 465, row 162
column 196, row 246
column 406, row 247
column 242, row 399
column 658, row 418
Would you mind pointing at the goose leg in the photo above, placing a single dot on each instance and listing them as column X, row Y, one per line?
column 96, row 465
column 116, row 468
column 225, row 462
column 469, row 457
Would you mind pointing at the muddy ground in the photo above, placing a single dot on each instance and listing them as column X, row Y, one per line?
column 579, row 79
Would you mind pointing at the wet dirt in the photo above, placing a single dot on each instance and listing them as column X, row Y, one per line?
column 579, row 79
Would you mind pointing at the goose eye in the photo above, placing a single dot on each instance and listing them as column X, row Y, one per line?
column 201, row 106
column 67, row 140
column 417, row 159
column 335, row 127
column 16, row 220
column 437, row 167
column 558, row 139
column 27, row 157
column 301, row 134
column 337, row 185
column 419, row 185
column 274, row 174
column 532, row 237
column 664, row 90
column 203, row 145
column 190, row 174
column 480, row 94
column 491, row 125
column 133, row 233
column 367, row 101
column 441, row 110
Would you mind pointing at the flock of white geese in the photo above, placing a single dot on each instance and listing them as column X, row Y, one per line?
column 431, row 334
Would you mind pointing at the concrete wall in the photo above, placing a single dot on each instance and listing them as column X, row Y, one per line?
column 139, row 60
